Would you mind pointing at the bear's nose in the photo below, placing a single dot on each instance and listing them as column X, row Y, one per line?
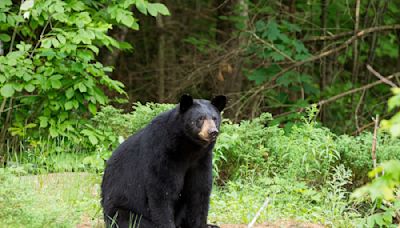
column 213, row 133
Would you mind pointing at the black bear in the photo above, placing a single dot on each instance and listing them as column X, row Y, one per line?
column 161, row 177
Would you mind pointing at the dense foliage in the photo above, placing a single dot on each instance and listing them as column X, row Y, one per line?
column 274, row 56
column 250, row 146
column 63, row 62
column 49, row 75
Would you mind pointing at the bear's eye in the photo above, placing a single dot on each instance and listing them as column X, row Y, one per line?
column 202, row 118
column 214, row 118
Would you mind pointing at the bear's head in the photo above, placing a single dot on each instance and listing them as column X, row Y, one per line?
column 201, row 118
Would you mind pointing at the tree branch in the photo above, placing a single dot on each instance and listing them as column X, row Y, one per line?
column 344, row 45
column 383, row 79
column 344, row 34
column 273, row 47
column 370, row 85
column 341, row 95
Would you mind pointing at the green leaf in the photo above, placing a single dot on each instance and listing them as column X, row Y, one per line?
column 82, row 88
column 287, row 78
column 29, row 88
column 93, row 139
column 152, row 9
column 30, row 125
column 75, row 103
column 18, row 87
column 46, row 43
column 53, row 132
column 85, row 55
column 94, row 49
column 7, row 90
column 5, row 3
column 55, row 42
column 127, row 20
column 59, row 8
column 272, row 32
column 56, row 84
column 157, row 8
column 260, row 26
column 78, row 5
column 393, row 102
column 4, row 37
column 3, row 17
column 68, row 105
column 258, row 75
column 43, row 121
column 92, row 108
column 69, row 93
column 141, row 6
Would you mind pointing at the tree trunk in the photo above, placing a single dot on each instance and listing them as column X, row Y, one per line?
column 323, row 66
column 161, row 60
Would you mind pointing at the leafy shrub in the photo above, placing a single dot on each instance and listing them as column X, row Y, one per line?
column 307, row 153
column 110, row 124
column 355, row 152
column 143, row 113
column 49, row 77
column 244, row 150
column 384, row 188
column 241, row 148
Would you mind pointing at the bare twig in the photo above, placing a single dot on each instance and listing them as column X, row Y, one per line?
column 40, row 37
column 1, row 48
column 15, row 31
column 2, row 105
column 341, row 95
column 344, row 34
column 374, row 142
column 383, row 79
column 358, row 109
column 355, row 45
column 358, row 131
column 356, row 89
column 265, row 204
column 272, row 46
column 343, row 46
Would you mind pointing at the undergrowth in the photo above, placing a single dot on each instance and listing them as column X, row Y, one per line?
column 307, row 172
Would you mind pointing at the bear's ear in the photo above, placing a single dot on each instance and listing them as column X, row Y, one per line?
column 185, row 102
column 219, row 102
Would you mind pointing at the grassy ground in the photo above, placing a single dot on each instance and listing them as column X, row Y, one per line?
column 49, row 200
column 72, row 200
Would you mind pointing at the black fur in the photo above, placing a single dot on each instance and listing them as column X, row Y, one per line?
column 163, row 173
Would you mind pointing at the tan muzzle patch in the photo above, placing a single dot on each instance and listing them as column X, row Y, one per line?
column 205, row 128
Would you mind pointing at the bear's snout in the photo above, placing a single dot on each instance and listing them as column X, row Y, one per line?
column 213, row 133
column 209, row 131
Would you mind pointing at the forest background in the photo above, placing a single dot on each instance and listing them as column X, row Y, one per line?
column 307, row 84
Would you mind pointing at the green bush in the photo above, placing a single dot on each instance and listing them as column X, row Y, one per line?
column 244, row 150
column 355, row 152
column 240, row 148
column 307, row 153
column 50, row 77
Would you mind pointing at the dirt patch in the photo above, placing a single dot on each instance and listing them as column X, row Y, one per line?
column 87, row 223
column 277, row 224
